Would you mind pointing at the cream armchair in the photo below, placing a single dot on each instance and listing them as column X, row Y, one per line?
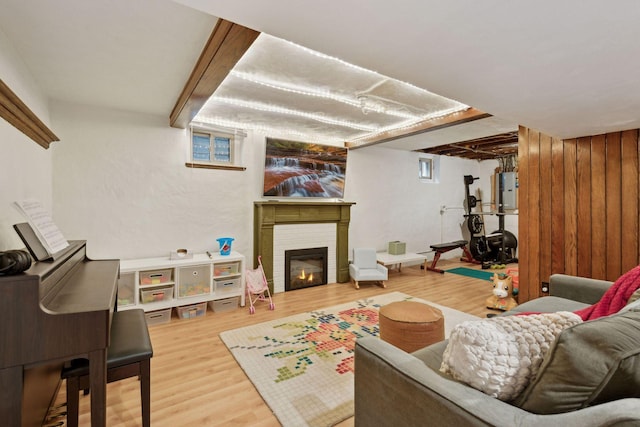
column 365, row 267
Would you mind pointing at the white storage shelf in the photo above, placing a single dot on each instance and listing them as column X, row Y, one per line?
column 161, row 283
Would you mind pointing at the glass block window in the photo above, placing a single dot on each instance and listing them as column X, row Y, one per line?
column 201, row 145
column 222, row 149
column 209, row 146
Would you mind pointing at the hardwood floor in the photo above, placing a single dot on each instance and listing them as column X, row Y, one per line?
column 196, row 381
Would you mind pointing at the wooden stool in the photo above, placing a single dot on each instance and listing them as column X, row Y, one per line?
column 129, row 354
column 411, row 325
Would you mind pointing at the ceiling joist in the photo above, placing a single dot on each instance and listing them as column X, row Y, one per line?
column 226, row 45
column 425, row 126
column 489, row 147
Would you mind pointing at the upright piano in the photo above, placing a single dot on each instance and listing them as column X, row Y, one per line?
column 55, row 311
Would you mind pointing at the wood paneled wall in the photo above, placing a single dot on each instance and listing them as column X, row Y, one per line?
column 578, row 205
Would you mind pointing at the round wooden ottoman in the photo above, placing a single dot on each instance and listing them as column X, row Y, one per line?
column 411, row 325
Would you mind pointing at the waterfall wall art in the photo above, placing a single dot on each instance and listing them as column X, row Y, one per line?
column 301, row 169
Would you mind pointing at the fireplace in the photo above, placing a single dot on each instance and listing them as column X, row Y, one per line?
column 284, row 225
column 304, row 268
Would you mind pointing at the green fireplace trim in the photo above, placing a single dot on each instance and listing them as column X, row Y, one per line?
column 267, row 214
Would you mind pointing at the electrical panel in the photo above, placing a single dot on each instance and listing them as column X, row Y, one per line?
column 506, row 185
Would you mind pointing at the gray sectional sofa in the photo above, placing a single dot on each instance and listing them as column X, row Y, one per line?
column 394, row 388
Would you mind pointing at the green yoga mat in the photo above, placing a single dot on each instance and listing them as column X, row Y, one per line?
column 470, row 272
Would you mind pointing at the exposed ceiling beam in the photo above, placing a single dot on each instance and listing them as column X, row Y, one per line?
column 226, row 45
column 16, row 112
column 489, row 147
column 429, row 125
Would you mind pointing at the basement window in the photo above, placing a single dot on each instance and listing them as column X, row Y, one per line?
column 428, row 170
column 212, row 149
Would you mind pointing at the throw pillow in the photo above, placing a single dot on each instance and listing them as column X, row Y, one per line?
column 500, row 355
column 633, row 304
column 634, row 297
column 590, row 363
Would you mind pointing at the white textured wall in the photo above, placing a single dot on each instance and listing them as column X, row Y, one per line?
column 393, row 204
column 25, row 167
column 120, row 182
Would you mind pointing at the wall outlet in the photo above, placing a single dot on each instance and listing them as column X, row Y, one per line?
column 544, row 287
column 443, row 209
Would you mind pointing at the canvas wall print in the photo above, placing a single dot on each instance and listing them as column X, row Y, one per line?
column 301, row 169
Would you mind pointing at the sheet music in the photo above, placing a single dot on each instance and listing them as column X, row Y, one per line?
column 42, row 223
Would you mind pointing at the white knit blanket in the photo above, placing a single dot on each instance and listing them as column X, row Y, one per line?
column 500, row 355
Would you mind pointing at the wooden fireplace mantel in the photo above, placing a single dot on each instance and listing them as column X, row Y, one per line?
column 269, row 213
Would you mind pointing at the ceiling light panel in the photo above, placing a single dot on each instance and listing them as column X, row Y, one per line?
column 328, row 106
column 246, row 118
column 278, row 84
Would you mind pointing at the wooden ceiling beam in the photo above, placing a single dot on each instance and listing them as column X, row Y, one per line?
column 16, row 112
column 454, row 119
column 226, row 45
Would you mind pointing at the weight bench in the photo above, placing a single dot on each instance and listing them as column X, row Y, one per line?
column 441, row 248
column 128, row 355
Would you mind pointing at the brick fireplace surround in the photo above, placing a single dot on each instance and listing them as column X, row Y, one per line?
column 266, row 215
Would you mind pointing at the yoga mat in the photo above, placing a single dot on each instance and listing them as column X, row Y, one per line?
column 470, row 272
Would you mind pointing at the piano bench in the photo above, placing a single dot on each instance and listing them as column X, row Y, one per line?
column 129, row 354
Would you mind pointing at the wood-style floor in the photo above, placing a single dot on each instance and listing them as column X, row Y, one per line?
column 195, row 381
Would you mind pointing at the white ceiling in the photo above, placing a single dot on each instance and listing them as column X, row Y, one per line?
column 130, row 55
column 565, row 68
column 289, row 91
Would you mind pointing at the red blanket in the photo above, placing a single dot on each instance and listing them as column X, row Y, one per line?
column 615, row 298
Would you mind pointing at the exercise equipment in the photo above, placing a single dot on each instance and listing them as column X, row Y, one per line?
column 479, row 248
column 441, row 248
column 498, row 247
column 478, row 245
column 502, row 244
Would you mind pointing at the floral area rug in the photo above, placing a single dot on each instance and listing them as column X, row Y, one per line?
column 302, row 365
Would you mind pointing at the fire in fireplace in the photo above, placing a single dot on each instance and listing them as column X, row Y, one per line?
column 304, row 268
